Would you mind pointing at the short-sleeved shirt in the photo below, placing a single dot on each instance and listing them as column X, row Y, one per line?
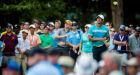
column 10, row 42
column 34, row 40
column 74, row 37
column 122, row 38
column 54, row 42
column 62, row 32
column 86, row 44
column 97, row 32
column 46, row 40
column 23, row 44
column 134, row 43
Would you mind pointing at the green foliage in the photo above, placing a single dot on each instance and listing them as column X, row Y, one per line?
column 28, row 9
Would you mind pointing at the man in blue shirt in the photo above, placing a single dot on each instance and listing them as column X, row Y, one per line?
column 73, row 40
column 98, row 33
column 121, row 41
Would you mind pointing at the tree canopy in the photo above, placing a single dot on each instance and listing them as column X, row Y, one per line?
column 22, row 10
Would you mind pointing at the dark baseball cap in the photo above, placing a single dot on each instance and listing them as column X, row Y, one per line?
column 54, row 51
column 122, row 28
column 9, row 25
column 74, row 23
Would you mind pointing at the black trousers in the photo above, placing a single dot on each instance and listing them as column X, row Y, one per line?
column 97, row 52
column 73, row 54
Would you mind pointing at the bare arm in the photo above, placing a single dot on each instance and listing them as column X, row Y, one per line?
column 69, row 44
column 19, row 50
column 57, row 36
column 97, row 39
column 124, row 43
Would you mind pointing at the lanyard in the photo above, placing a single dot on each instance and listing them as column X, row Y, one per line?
column 121, row 38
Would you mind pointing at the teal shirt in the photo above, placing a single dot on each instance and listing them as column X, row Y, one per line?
column 86, row 44
column 97, row 32
column 46, row 40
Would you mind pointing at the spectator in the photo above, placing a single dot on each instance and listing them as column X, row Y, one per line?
column 134, row 40
column 35, row 55
column 46, row 39
column 86, row 67
column 42, row 26
column 20, row 31
column 37, row 24
column 121, row 41
column 98, row 33
column 53, row 56
column 42, row 66
column 10, row 41
column 132, row 66
column 21, row 25
column 131, row 29
column 67, row 64
column 26, row 25
column 138, row 60
column 73, row 40
column 86, row 44
column 11, row 68
column 109, row 25
column 6, row 30
column 112, row 33
column 51, row 27
column 102, row 69
column 22, row 46
column 69, row 24
column 56, row 30
column 62, row 34
column 112, row 61
column 23, row 43
column 33, row 37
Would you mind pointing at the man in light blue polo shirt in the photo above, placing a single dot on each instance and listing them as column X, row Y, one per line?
column 73, row 40
column 98, row 34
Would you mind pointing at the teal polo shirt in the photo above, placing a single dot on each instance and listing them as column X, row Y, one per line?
column 99, row 32
column 86, row 43
column 46, row 40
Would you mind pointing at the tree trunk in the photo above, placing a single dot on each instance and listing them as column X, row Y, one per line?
column 117, row 13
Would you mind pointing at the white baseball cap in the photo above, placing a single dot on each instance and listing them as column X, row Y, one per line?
column 51, row 23
column 32, row 26
column 27, row 23
column 26, row 31
column 101, row 16
column 66, row 61
column 132, row 62
column 88, row 25
column 85, row 65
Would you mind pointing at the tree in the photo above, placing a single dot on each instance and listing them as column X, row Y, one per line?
column 25, row 10
column 117, row 13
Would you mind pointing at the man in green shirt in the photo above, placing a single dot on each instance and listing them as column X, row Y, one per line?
column 46, row 39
